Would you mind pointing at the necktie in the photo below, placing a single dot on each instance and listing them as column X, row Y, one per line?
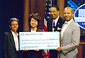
column 53, row 26
column 66, row 22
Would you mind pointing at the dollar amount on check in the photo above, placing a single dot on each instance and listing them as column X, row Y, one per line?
column 39, row 40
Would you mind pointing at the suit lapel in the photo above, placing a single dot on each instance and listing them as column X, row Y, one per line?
column 12, row 39
column 51, row 23
column 57, row 23
column 61, row 31
column 19, row 42
column 67, row 29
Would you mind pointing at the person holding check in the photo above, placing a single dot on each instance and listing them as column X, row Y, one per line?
column 10, row 41
column 70, row 36
column 34, row 20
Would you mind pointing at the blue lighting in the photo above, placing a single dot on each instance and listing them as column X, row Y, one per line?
column 72, row 4
column 78, row 3
column 82, row 1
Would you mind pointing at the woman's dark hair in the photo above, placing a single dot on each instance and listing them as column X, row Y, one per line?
column 36, row 16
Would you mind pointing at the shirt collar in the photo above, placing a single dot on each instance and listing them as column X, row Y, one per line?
column 14, row 33
column 56, row 19
column 68, row 22
column 33, row 31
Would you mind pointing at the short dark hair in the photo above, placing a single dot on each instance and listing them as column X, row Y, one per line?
column 36, row 16
column 56, row 7
column 13, row 19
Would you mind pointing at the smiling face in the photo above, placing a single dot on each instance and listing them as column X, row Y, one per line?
column 68, row 13
column 33, row 23
column 14, row 26
column 54, row 13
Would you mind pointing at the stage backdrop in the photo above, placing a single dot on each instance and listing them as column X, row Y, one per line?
column 10, row 9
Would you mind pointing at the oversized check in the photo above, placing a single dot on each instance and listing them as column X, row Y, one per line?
column 39, row 40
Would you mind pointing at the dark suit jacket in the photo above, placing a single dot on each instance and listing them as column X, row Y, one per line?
column 8, row 46
column 60, row 22
column 58, row 26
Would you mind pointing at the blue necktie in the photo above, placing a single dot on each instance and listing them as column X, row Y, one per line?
column 53, row 24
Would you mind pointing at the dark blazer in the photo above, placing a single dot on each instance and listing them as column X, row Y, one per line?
column 32, row 53
column 58, row 26
column 8, row 46
column 60, row 22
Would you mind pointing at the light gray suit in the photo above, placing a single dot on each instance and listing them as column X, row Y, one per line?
column 70, row 41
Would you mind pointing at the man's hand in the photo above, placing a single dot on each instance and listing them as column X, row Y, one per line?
column 25, row 50
column 59, row 49
column 36, row 50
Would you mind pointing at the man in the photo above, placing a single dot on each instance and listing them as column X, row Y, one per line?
column 70, row 36
column 10, row 42
column 55, row 24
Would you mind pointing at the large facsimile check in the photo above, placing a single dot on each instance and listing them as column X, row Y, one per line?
column 39, row 40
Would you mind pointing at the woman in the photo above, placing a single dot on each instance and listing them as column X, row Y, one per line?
column 34, row 20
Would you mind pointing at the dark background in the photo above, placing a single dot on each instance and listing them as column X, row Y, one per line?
column 10, row 9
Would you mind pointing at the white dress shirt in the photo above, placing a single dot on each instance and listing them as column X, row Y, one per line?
column 16, row 40
column 55, row 20
column 33, row 31
column 65, row 25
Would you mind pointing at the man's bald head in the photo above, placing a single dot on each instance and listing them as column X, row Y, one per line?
column 69, row 8
column 68, row 13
